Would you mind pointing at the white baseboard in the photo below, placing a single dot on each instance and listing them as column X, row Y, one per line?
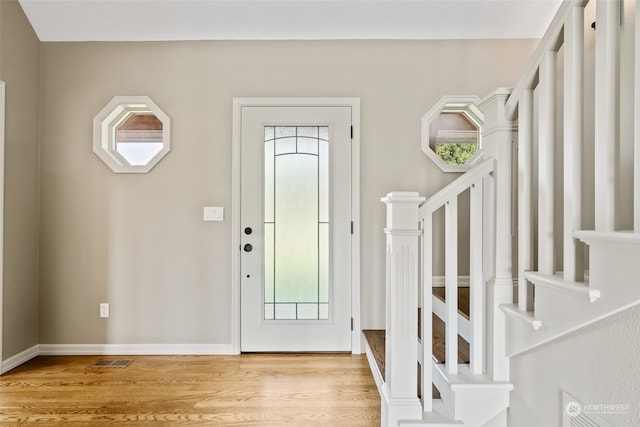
column 113, row 349
column 463, row 281
column 135, row 349
column 19, row 359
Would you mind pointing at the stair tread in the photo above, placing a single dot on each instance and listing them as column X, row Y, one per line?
column 464, row 379
column 625, row 237
column 439, row 345
column 557, row 282
column 463, row 299
column 555, row 279
column 376, row 339
column 525, row 316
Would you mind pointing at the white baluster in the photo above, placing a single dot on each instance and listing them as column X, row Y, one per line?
column 476, row 294
column 547, row 119
column 573, row 136
column 607, row 112
column 525, row 176
column 427, row 308
column 451, row 286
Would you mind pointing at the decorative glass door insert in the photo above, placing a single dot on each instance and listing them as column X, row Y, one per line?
column 296, row 223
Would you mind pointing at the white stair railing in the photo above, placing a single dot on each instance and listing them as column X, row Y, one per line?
column 537, row 187
column 550, row 124
column 410, row 251
column 537, row 101
column 447, row 198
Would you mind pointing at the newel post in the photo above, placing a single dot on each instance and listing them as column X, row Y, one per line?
column 498, row 138
column 400, row 399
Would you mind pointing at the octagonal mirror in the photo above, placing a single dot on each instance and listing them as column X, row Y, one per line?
column 131, row 134
column 451, row 133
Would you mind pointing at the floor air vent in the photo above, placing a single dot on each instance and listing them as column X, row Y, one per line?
column 112, row 363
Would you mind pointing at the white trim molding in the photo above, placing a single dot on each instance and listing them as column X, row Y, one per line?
column 463, row 281
column 134, row 349
column 2, row 118
column 20, row 358
column 238, row 104
column 114, row 349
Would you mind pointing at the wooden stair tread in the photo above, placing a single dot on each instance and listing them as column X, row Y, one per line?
column 463, row 299
column 439, row 345
column 376, row 339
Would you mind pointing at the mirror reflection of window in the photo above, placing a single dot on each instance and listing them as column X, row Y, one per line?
column 453, row 137
column 452, row 133
column 138, row 138
column 131, row 134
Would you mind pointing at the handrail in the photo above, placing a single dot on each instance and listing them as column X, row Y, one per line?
column 550, row 42
column 456, row 187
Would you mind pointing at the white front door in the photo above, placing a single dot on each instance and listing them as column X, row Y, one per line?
column 295, row 218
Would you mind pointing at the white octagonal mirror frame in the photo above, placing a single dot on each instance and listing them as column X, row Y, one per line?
column 467, row 105
column 112, row 115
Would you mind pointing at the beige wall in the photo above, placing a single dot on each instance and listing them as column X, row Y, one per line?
column 20, row 70
column 599, row 364
column 139, row 242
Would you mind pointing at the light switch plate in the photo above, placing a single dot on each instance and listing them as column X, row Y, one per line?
column 104, row 309
column 213, row 213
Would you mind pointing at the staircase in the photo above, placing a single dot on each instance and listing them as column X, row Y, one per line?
column 554, row 228
column 376, row 339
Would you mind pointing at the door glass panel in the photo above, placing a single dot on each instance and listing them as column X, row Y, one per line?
column 296, row 220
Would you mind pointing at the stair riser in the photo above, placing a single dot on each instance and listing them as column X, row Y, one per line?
column 476, row 407
column 614, row 270
column 614, row 267
column 474, row 404
column 446, row 394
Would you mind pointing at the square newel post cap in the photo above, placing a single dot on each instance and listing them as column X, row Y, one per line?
column 402, row 210
column 410, row 197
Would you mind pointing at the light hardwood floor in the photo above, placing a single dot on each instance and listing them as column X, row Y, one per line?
column 247, row 390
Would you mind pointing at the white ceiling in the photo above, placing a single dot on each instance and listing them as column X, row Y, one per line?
column 140, row 20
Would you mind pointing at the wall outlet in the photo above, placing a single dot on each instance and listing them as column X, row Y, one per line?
column 104, row 309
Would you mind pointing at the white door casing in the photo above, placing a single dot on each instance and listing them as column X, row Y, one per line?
column 2, row 133
column 251, row 332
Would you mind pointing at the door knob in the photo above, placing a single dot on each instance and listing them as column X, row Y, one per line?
column 248, row 247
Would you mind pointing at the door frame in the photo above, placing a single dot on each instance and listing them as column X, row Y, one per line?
column 238, row 104
column 2, row 150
